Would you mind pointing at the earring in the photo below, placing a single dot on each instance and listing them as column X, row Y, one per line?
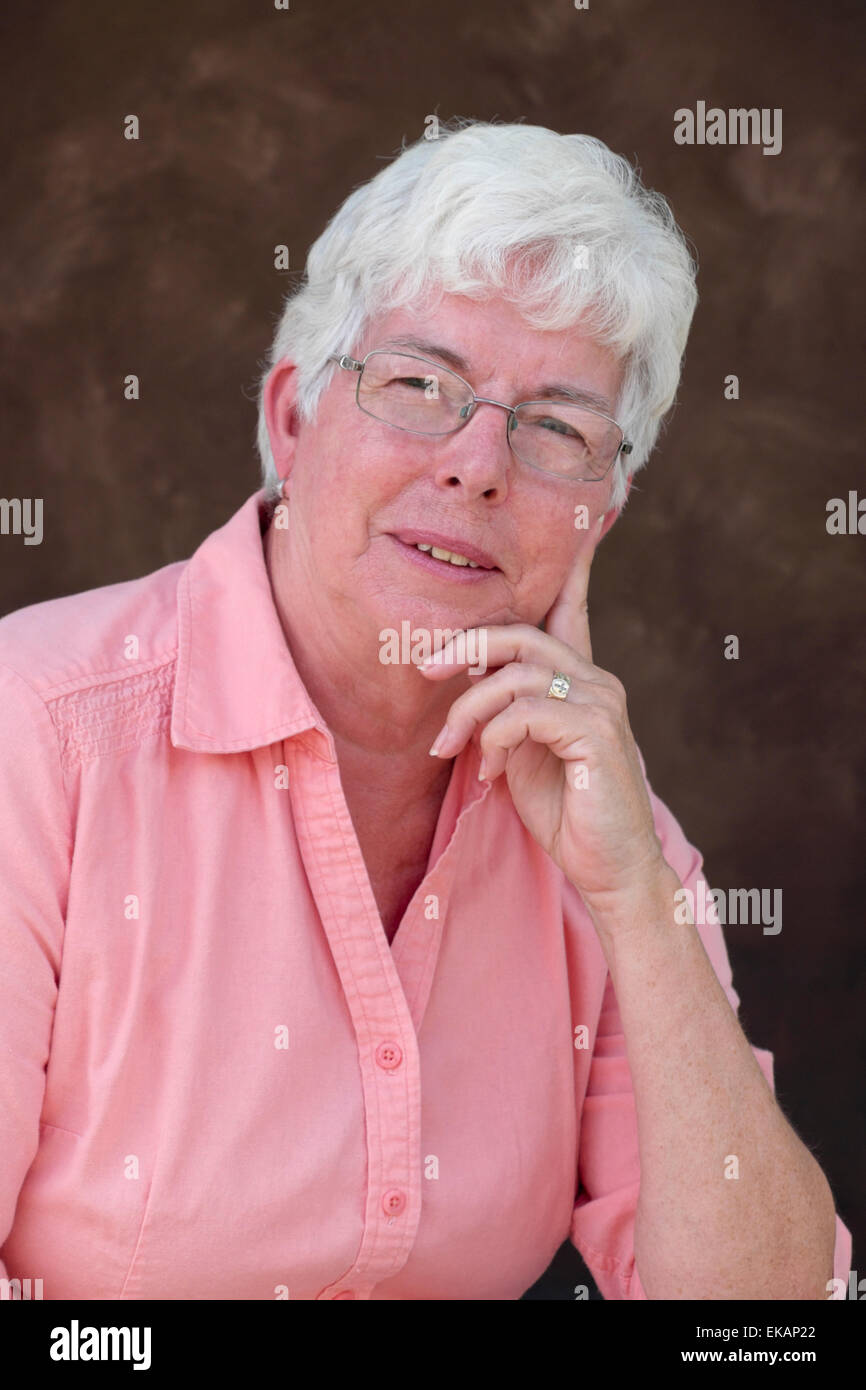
column 284, row 487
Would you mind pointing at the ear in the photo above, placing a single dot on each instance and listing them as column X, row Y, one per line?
column 280, row 414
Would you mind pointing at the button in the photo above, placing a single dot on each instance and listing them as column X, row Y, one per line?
column 388, row 1055
column 393, row 1202
column 347, row 1293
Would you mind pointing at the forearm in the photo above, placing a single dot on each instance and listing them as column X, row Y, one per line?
column 732, row 1204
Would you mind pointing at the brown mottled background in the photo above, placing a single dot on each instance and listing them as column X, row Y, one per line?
column 156, row 257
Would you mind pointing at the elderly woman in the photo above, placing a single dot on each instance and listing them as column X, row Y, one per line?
column 292, row 1009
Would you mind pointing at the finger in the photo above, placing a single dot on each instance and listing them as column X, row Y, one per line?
column 565, row 728
column 496, row 646
column 482, row 702
column 568, row 618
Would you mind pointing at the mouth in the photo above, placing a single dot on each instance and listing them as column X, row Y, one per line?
column 444, row 554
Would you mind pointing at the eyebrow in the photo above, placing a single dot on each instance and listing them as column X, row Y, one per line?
column 581, row 395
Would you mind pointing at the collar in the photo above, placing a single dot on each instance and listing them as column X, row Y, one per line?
column 236, row 686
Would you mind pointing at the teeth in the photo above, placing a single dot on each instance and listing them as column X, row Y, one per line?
column 449, row 555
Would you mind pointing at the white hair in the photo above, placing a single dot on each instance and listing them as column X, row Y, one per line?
column 559, row 225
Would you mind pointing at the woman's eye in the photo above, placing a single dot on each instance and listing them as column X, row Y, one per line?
column 418, row 381
column 557, row 426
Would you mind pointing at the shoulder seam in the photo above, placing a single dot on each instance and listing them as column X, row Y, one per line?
column 92, row 681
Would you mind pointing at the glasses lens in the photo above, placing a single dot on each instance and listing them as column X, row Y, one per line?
column 412, row 393
column 564, row 438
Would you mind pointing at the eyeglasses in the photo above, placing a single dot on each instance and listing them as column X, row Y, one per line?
column 556, row 436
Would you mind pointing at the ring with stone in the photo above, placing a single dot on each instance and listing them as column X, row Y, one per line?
column 559, row 686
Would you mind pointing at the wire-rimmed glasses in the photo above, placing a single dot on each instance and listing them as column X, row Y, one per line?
column 556, row 435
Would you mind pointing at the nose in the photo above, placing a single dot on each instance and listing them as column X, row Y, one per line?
column 477, row 457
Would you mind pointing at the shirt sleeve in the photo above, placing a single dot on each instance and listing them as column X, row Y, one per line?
column 35, row 857
column 602, row 1226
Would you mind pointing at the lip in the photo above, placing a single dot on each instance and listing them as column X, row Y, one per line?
column 440, row 569
column 412, row 538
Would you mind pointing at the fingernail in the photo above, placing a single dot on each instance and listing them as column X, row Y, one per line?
column 438, row 741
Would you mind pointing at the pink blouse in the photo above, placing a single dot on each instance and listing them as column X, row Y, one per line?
column 218, row 1079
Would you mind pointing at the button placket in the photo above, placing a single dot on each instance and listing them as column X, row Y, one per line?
column 390, row 1069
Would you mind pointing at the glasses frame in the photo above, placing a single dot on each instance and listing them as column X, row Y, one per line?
column 352, row 364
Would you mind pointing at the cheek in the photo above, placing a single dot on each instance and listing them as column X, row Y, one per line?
column 544, row 571
column 589, row 501
column 562, row 528
column 374, row 459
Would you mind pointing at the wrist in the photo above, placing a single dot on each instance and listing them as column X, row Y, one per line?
column 645, row 904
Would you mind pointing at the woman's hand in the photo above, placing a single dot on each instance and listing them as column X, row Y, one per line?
column 572, row 765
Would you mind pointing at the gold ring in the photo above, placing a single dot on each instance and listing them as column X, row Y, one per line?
column 559, row 686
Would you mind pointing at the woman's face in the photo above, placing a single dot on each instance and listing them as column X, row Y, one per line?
column 362, row 493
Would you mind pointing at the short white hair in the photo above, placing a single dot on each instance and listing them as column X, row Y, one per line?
column 559, row 225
